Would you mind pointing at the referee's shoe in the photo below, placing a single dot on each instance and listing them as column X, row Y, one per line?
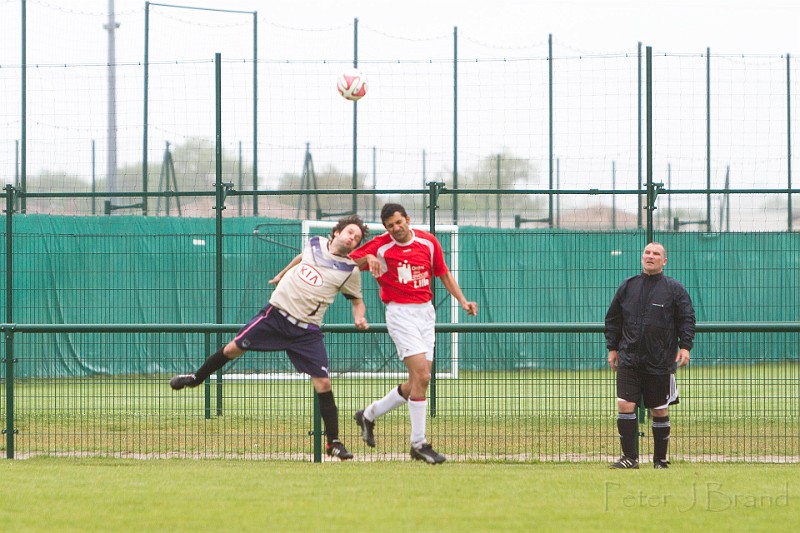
column 625, row 462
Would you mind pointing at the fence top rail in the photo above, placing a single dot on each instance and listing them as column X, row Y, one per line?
column 499, row 327
column 369, row 192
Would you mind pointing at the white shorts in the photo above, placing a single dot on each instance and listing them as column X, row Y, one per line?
column 412, row 328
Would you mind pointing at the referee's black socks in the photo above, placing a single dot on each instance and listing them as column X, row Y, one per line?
column 628, row 426
column 660, row 437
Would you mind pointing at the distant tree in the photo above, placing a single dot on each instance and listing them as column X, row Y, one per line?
column 328, row 178
column 515, row 173
column 48, row 181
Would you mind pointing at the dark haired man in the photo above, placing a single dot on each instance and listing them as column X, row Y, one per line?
column 404, row 262
column 291, row 321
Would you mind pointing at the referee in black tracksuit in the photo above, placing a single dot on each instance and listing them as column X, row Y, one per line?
column 649, row 333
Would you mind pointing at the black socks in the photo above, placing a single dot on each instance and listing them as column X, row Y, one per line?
column 212, row 364
column 628, row 425
column 330, row 415
column 660, row 437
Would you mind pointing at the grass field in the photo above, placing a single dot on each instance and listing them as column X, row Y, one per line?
column 739, row 413
column 54, row 495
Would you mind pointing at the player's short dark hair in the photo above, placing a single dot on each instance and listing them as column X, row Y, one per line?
column 351, row 219
column 390, row 209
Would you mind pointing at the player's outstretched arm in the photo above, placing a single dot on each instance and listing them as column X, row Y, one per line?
column 293, row 262
column 373, row 264
column 453, row 288
column 359, row 313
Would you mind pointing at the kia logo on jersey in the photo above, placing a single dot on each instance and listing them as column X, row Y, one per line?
column 310, row 275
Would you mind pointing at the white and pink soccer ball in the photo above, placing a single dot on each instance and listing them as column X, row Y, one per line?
column 352, row 84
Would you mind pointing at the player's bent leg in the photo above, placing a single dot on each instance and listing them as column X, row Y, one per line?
column 419, row 374
column 321, row 384
column 232, row 350
column 214, row 362
column 366, row 418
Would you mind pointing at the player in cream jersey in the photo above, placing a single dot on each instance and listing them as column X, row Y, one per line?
column 313, row 279
column 291, row 321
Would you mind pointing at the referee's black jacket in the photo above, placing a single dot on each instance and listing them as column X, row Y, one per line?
column 649, row 318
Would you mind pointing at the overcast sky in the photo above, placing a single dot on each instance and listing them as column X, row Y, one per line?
column 731, row 26
column 594, row 110
column 727, row 26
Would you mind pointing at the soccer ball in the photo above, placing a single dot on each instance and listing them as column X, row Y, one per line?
column 352, row 84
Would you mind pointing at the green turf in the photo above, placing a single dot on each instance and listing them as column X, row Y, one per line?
column 49, row 494
column 741, row 413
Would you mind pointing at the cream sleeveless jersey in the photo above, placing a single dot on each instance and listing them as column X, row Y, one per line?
column 308, row 288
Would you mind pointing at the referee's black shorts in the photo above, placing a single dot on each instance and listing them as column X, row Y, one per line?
column 658, row 391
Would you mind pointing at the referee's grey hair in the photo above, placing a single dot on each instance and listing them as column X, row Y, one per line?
column 346, row 221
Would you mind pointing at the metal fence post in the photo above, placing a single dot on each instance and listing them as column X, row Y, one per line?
column 207, row 384
column 789, row 139
column 9, row 334
column 649, row 140
column 455, row 127
column 317, row 431
column 9, row 429
column 221, row 193
column 436, row 188
column 354, row 206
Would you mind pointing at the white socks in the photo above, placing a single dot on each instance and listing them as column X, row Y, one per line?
column 417, row 409
column 380, row 407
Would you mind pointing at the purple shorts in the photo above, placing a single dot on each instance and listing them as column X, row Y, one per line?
column 270, row 331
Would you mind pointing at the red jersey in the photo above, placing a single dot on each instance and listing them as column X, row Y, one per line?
column 409, row 268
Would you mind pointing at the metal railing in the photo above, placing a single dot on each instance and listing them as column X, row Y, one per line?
column 549, row 408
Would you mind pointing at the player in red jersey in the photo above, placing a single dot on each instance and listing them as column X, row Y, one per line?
column 405, row 261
